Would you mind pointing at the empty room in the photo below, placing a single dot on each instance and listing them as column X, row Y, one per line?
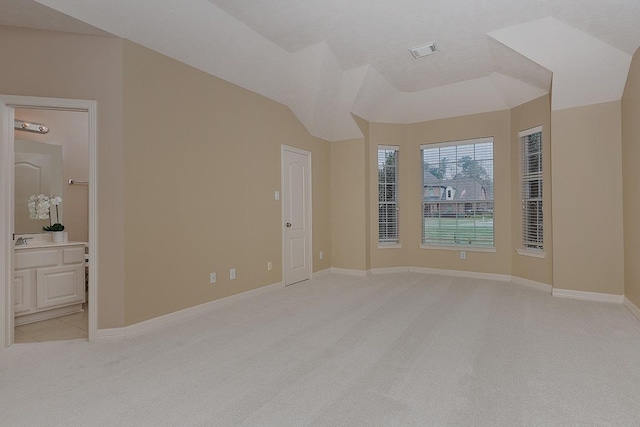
column 291, row 213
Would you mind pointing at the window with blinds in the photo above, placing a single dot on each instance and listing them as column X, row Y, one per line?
column 531, row 178
column 457, row 193
column 388, row 194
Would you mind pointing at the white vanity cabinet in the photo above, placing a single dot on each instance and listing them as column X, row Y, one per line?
column 49, row 281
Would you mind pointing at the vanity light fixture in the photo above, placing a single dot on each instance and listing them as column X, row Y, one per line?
column 424, row 50
column 30, row 126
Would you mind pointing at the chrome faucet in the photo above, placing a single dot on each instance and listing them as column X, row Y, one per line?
column 22, row 240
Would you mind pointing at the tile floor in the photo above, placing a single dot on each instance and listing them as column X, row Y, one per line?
column 67, row 327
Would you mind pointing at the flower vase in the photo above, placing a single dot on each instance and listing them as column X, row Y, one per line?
column 57, row 236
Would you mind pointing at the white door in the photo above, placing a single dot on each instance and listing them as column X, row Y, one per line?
column 296, row 201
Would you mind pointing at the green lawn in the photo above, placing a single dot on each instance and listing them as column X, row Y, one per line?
column 459, row 231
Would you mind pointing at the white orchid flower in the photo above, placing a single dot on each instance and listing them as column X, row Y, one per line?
column 40, row 205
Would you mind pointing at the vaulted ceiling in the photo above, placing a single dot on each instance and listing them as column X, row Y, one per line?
column 329, row 59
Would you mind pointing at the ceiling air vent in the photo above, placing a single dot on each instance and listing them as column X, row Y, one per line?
column 424, row 50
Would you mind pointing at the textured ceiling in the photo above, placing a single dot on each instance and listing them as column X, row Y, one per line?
column 328, row 59
column 361, row 32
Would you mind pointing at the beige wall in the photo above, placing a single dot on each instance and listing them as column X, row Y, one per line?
column 526, row 116
column 631, row 180
column 61, row 65
column 389, row 134
column 496, row 125
column 586, row 159
column 348, row 205
column 69, row 129
column 364, row 128
column 173, row 171
column 199, row 198
column 409, row 138
column 322, row 205
column 202, row 162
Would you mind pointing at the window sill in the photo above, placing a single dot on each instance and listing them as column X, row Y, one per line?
column 534, row 254
column 389, row 245
column 490, row 249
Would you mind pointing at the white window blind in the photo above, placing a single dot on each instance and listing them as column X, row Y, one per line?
column 457, row 193
column 387, row 194
column 531, row 177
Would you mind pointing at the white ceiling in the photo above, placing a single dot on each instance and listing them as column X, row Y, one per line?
column 327, row 59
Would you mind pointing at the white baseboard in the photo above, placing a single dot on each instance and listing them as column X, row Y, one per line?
column 321, row 273
column 561, row 293
column 155, row 323
column 350, row 272
column 460, row 273
column 532, row 284
column 389, row 270
column 111, row 334
column 632, row 308
column 588, row 296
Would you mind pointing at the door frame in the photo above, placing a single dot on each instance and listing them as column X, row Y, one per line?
column 309, row 209
column 8, row 104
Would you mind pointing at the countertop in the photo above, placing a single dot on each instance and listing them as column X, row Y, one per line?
column 37, row 243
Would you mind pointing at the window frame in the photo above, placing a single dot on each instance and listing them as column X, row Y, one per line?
column 478, row 247
column 531, row 180
column 386, row 241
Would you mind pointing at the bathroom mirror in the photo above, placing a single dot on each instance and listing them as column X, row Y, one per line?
column 38, row 170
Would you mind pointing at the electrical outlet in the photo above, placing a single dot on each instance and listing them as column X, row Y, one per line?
column 212, row 278
column 463, row 255
column 321, row 255
column 269, row 266
column 232, row 273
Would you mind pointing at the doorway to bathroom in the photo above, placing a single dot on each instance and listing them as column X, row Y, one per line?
column 48, row 290
column 51, row 158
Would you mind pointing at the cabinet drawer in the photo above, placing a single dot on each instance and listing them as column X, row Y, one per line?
column 73, row 255
column 30, row 259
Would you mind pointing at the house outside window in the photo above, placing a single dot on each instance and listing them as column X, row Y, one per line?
column 531, row 190
column 458, row 194
column 388, row 195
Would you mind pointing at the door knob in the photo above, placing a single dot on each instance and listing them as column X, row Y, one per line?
column 288, row 225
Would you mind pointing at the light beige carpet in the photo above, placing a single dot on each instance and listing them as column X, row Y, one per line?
column 395, row 349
